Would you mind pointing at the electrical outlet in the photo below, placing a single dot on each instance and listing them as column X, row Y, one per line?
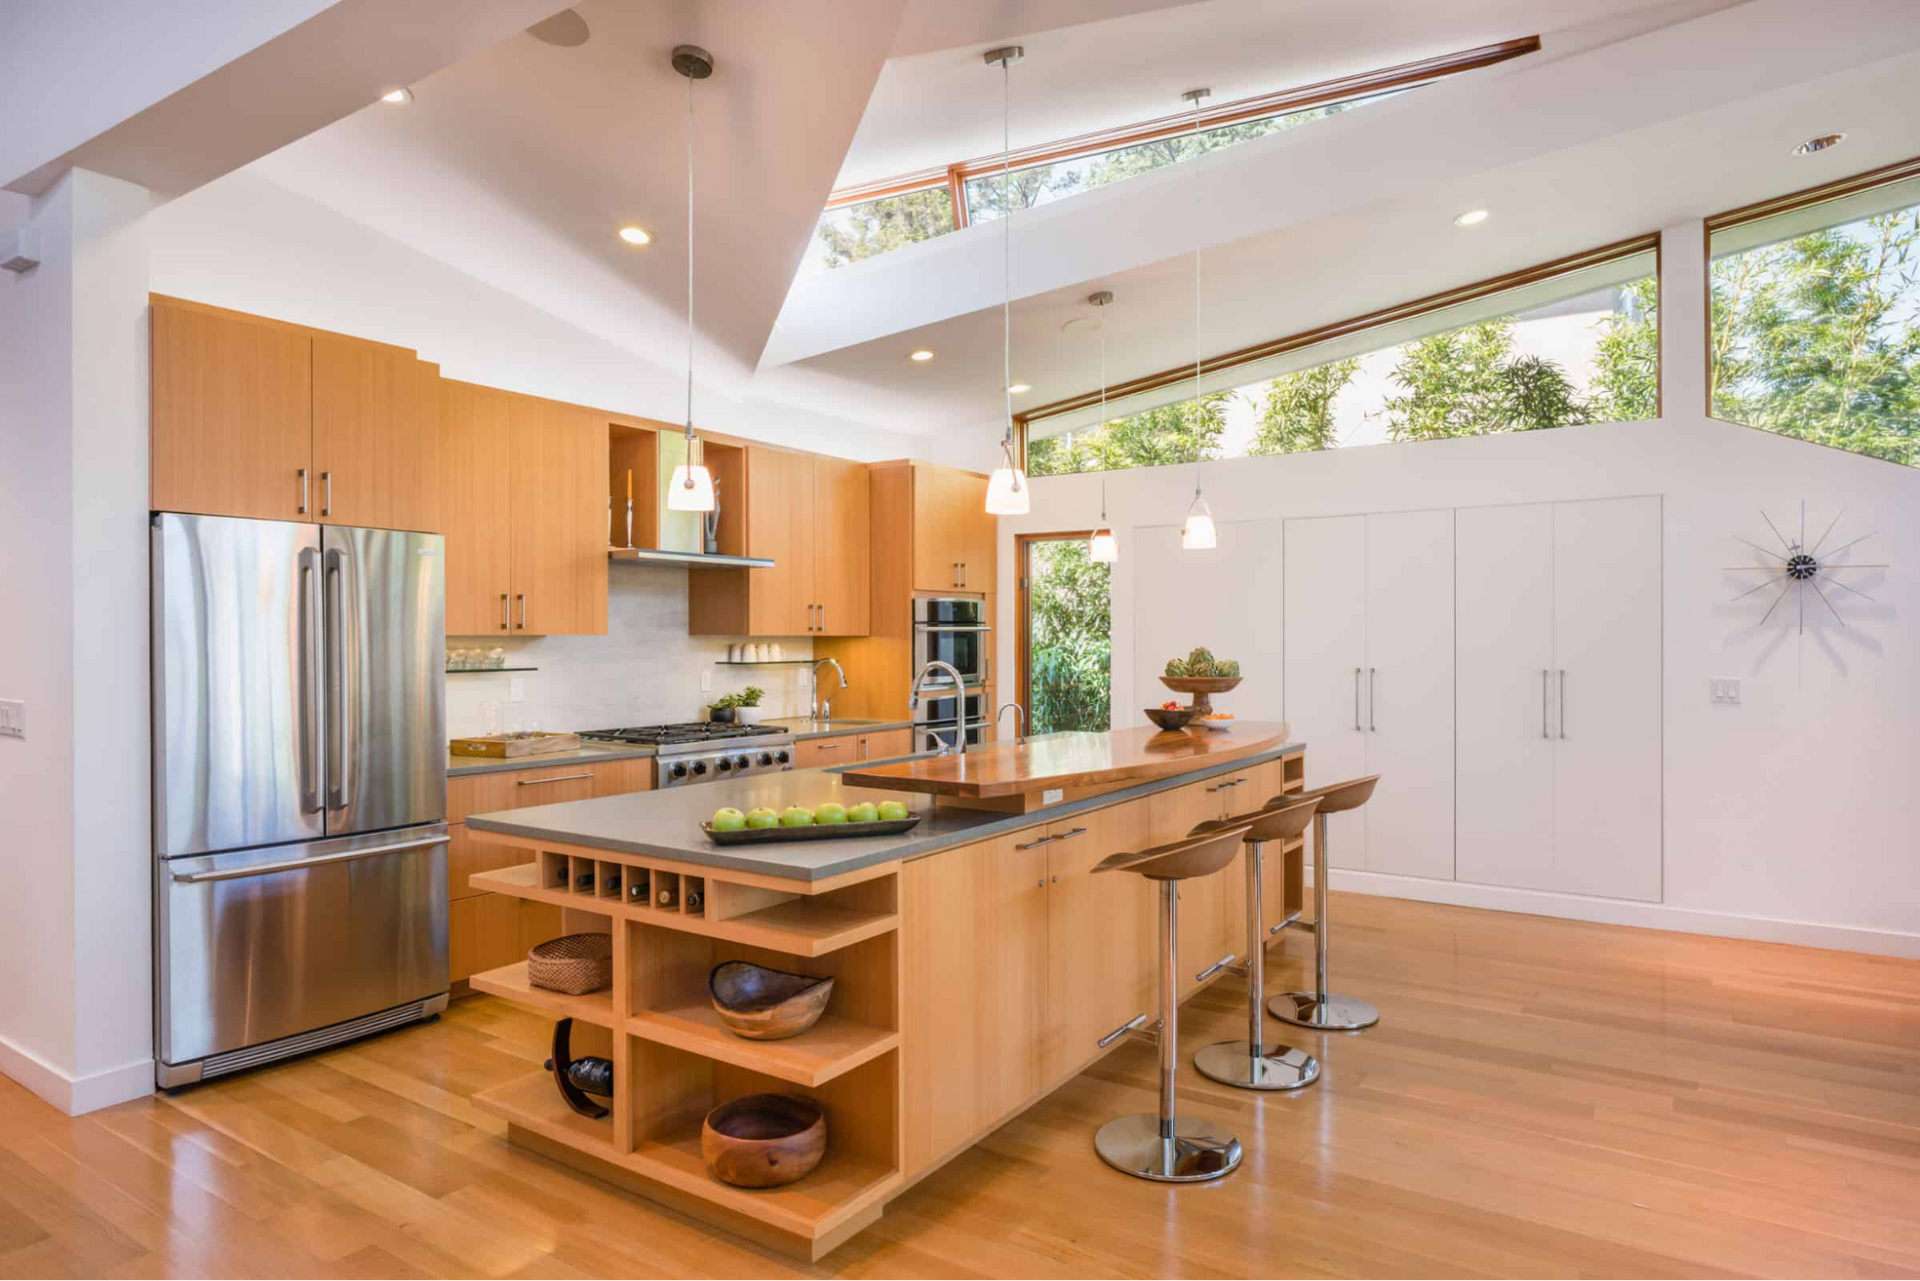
column 516, row 689
column 1723, row 689
column 706, row 682
column 13, row 718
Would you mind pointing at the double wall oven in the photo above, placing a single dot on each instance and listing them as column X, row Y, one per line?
column 954, row 631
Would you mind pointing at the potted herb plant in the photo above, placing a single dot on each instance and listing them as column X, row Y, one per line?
column 747, row 710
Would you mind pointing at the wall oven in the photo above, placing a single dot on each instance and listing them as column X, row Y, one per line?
column 942, row 716
column 953, row 631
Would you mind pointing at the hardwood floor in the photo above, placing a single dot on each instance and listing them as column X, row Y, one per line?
column 1540, row 1098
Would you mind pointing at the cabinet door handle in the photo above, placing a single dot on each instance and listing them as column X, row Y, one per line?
column 1546, row 678
column 522, row 598
column 828, row 747
column 1371, row 708
column 1356, row 698
column 303, row 491
column 557, row 778
column 1031, row 845
column 1069, row 835
column 506, row 615
column 823, row 618
column 326, row 493
column 1563, row 702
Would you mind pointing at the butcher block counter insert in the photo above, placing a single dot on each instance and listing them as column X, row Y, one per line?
column 976, row 959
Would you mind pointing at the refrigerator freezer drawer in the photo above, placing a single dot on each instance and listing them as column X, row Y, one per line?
column 263, row 944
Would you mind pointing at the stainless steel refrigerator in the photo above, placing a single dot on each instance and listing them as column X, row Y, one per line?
column 299, row 788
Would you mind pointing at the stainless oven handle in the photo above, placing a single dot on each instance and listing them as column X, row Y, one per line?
column 557, row 778
column 951, row 627
column 296, row 864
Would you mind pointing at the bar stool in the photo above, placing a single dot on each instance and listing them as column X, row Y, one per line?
column 1161, row 1146
column 1320, row 1008
column 1253, row 1064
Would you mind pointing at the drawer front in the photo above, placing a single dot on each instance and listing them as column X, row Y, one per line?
column 547, row 785
column 812, row 752
column 885, row 744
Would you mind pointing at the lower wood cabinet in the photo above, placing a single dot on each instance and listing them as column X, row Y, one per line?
column 843, row 749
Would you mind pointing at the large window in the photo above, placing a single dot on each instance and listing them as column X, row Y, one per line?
column 1066, row 637
column 1816, row 316
column 1579, row 345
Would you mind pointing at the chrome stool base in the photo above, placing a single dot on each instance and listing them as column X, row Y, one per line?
column 1198, row 1151
column 1332, row 1013
column 1266, row 1067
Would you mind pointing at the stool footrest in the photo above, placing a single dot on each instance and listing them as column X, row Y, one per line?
column 1215, row 968
column 1293, row 922
column 1136, row 1026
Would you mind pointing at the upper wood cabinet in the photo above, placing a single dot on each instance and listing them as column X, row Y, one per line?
column 810, row 515
column 953, row 537
column 232, row 418
column 259, row 418
column 376, row 438
column 525, row 487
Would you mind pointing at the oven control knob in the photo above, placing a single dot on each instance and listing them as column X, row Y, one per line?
column 766, row 758
column 699, row 767
column 782, row 757
column 680, row 771
column 740, row 762
column 725, row 764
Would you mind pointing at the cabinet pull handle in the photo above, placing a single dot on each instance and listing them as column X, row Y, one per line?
column 506, row 615
column 828, row 747
column 1371, row 727
column 326, row 493
column 1030, row 845
column 1563, row 702
column 1545, row 678
column 1356, row 698
column 303, row 491
column 557, row 778
column 522, row 598
column 823, row 618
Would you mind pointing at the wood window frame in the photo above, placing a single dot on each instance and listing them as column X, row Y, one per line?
column 1226, row 361
column 1022, row 599
column 1281, row 102
column 1759, row 210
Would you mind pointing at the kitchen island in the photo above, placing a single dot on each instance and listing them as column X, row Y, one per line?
column 976, row 958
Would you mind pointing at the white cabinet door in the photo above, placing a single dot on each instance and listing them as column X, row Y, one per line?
column 1607, row 685
column 1409, row 694
column 1504, row 655
column 1325, row 643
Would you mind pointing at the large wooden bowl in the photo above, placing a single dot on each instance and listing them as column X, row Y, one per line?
column 1200, row 687
column 1171, row 719
column 764, row 1140
column 762, row 1004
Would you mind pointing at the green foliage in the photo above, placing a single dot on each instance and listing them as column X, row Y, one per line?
column 1626, row 363
column 1472, row 382
column 750, row 697
column 1182, row 433
column 881, row 226
column 1297, row 413
column 1070, row 638
column 1819, row 337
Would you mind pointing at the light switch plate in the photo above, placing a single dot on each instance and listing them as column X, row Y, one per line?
column 516, row 689
column 1723, row 689
column 1053, row 796
column 13, row 718
column 706, row 682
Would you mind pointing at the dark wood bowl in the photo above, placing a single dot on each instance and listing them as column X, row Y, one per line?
column 766, row 1005
column 764, row 1140
column 1201, row 687
column 1170, row 719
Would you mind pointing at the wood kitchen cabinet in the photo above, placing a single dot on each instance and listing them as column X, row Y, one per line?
column 476, row 491
column 844, row 749
column 953, row 536
column 811, row 516
column 259, row 418
column 1102, row 935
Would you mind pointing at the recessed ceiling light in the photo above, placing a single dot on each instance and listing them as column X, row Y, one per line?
column 636, row 235
column 920, row 354
column 1471, row 218
column 398, row 97
column 1017, row 388
column 1821, row 143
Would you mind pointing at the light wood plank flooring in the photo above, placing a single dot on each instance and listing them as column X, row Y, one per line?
column 1540, row 1098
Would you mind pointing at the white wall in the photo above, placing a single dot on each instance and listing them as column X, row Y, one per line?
column 1789, row 816
column 75, row 1022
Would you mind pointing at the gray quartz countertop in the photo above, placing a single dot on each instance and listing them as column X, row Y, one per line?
column 666, row 823
column 805, row 727
column 459, row 766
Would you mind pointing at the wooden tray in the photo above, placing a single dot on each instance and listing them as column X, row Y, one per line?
column 505, row 746
column 812, row 832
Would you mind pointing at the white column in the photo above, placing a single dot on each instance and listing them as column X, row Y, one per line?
column 1683, row 321
column 75, row 889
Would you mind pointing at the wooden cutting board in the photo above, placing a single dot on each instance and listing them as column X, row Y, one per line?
column 506, row 746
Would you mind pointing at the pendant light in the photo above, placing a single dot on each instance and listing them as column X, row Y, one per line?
column 1007, row 488
column 1103, row 548
column 691, row 489
column 1198, row 533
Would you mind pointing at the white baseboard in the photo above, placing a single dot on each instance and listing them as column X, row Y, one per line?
column 1608, row 911
column 76, row 1095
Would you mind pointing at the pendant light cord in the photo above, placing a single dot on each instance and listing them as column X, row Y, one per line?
column 1006, row 258
column 690, row 282
column 1199, row 405
column 1103, row 415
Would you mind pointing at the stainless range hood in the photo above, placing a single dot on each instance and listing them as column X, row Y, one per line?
column 681, row 535
column 699, row 560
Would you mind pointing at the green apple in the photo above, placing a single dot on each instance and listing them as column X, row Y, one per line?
column 864, row 812
column 892, row 811
column 728, row 819
column 761, row 816
column 831, row 812
column 797, row 816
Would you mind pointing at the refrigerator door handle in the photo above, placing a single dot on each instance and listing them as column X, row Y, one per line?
column 338, row 697
column 300, row 864
column 312, row 707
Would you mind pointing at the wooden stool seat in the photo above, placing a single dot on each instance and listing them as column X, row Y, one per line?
column 1282, row 820
column 1181, row 860
column 1336, row 798
column 1321, row 1009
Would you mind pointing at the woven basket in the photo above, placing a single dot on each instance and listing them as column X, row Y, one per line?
column 573, row 963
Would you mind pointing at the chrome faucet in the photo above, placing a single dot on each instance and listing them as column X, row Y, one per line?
column 960, row 701
column 1019, row 722
column 816, row 709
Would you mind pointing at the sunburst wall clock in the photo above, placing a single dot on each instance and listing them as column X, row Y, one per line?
column 1797, row 567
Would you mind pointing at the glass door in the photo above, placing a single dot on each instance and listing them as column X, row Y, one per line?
column 1066, row 634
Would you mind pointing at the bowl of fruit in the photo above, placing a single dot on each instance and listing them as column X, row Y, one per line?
column 1171, row 716
column 1201, row 675
column 1219, row 722
column 828, row 821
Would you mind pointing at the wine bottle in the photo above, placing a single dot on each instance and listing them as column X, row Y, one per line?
column 637, row 889
column 666, row 898
column 583, row 883
column 694, row 900
column 612, row 886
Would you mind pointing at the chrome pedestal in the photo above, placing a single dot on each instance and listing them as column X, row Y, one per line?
column 1254, row 1064
column 1320, row 1009
column 1164, row 1147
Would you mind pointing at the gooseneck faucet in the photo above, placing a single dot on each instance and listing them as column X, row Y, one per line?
column 960, row 704
column 817, row 710
column 1019, row 722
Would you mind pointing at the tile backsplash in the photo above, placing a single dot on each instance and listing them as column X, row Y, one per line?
column 645, row 671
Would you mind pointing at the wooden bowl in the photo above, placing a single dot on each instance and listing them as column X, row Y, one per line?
column 1174, row 718
column 764, row 1140
column 766, row 1005
column 1201, row 687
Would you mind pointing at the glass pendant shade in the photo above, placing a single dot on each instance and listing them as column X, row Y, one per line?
column 691, row 489
column 1007, row 491
column 1198, row 533
column 1103, row 550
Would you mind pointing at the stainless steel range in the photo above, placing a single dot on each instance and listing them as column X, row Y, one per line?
column 705, row 751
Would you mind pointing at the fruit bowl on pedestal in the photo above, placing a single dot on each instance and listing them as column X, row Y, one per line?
column 1201, row 688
